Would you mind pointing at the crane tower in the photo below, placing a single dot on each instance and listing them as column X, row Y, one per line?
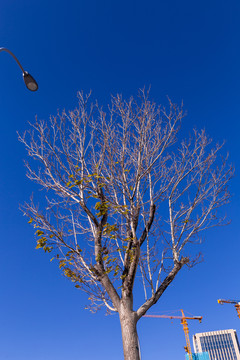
column 184, row 323
column 235, row 302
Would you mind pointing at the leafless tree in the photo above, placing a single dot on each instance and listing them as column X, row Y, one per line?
column 124, row 199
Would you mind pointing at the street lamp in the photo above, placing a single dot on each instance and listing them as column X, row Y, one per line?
column 30, row 83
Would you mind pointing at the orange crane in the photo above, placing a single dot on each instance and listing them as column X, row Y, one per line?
column 185, row 327
column 235, row 302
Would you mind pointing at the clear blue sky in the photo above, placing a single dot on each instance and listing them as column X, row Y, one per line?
column 187, row 50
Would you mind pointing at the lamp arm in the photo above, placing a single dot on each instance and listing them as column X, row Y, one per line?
column 15, row 58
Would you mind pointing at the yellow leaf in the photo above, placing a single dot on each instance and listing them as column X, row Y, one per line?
column 39, row 232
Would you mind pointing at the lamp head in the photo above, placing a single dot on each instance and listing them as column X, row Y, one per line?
column 30, row 83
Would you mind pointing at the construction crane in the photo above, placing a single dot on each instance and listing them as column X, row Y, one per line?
column 185, row 327
column 235, row 302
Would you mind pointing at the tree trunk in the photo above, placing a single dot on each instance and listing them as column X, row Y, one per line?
column 129, row 333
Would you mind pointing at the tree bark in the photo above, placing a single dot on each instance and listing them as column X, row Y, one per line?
column 128, row 321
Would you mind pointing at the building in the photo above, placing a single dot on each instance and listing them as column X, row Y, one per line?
column 221, row 345
column 198, row 356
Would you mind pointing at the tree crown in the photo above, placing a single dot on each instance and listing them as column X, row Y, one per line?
column 124, row 197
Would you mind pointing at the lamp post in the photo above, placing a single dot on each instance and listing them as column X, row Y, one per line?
column 30, row 83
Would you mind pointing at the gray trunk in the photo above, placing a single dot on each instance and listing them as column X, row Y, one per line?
column 129, row 333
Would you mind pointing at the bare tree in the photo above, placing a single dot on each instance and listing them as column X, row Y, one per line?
column 124, row 200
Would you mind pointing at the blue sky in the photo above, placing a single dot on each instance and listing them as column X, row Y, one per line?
column 186, row 50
